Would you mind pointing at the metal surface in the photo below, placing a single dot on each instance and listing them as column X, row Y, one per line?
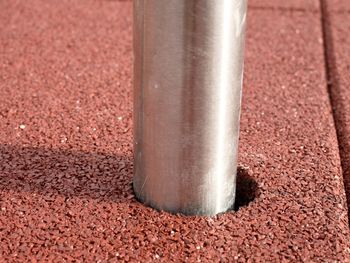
column 188, row 69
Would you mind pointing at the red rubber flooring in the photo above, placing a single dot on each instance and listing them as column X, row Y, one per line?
column 337, row 30
column 66, row 141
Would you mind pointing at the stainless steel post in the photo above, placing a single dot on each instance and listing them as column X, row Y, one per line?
column 187, row 93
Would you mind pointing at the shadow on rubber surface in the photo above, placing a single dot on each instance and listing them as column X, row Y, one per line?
column 51, row 172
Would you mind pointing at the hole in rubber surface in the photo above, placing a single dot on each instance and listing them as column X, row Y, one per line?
column 246, row 188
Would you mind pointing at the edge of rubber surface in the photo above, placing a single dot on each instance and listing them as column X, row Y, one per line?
column 336, row 43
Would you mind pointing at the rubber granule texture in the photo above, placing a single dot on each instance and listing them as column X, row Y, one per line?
column 66, row 144
column 337, row 42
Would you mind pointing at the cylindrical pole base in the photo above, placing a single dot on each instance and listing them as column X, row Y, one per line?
column 187, row 93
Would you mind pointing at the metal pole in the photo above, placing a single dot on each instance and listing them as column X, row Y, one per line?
column 188, row 69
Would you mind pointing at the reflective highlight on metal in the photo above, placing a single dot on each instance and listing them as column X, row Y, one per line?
column 188, row 65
